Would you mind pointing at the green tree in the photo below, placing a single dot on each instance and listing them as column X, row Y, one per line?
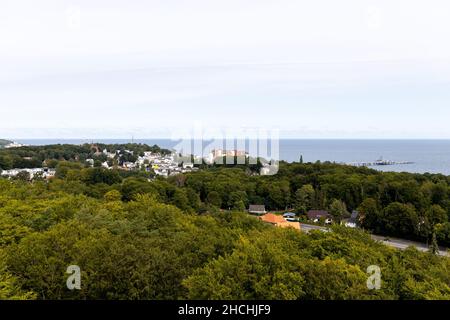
column 9, row 288
column 64, row 167
column 97, row 164
column 6, row 162
column 400, row 220
column 369, row 214
column 434, row 248
column 193, row 198
column 214, row 199
column 132, row 187
column 304, row 199
column 113, row 195
column 436, row 215
column 238, row 200
column 338, row 210
column 180, row 199
column 23, row 176
column 256, row 270
column 279, row 194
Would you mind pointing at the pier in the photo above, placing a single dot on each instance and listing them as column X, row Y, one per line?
column 379, row 162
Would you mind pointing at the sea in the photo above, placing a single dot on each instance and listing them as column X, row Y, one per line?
column 432, row 156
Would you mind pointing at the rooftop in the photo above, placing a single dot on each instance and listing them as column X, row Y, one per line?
column 257, row 208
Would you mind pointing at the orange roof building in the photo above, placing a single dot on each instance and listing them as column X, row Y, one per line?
column 279, row 221
column 272, row 218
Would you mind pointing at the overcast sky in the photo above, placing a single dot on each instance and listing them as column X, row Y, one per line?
column 312, row 69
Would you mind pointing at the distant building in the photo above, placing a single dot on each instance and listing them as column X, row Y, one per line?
column 317, row 215
column 163, row 165
column 217, row 153
column 110, row 155
column 269, row 169
column 257, row 209
column 90, row 161
column 188, row 165
column 353, row 221
column 279, row 221
column 128, row 165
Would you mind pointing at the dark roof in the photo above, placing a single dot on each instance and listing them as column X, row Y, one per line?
column 257, row 208
column 354, row 216
column 317, row 214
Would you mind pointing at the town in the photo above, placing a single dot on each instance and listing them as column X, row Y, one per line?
column 164, row 163
column 161, row 164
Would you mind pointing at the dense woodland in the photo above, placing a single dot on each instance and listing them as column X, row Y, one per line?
column 188, row 236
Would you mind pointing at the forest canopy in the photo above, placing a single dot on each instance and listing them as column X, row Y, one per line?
column 189, row 237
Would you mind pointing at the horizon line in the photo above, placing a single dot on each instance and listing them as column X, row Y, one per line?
column 223, row 138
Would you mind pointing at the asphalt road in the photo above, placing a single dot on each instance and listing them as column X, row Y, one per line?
column 392, row 242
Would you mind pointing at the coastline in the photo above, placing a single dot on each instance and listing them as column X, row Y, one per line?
column 428, row 155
